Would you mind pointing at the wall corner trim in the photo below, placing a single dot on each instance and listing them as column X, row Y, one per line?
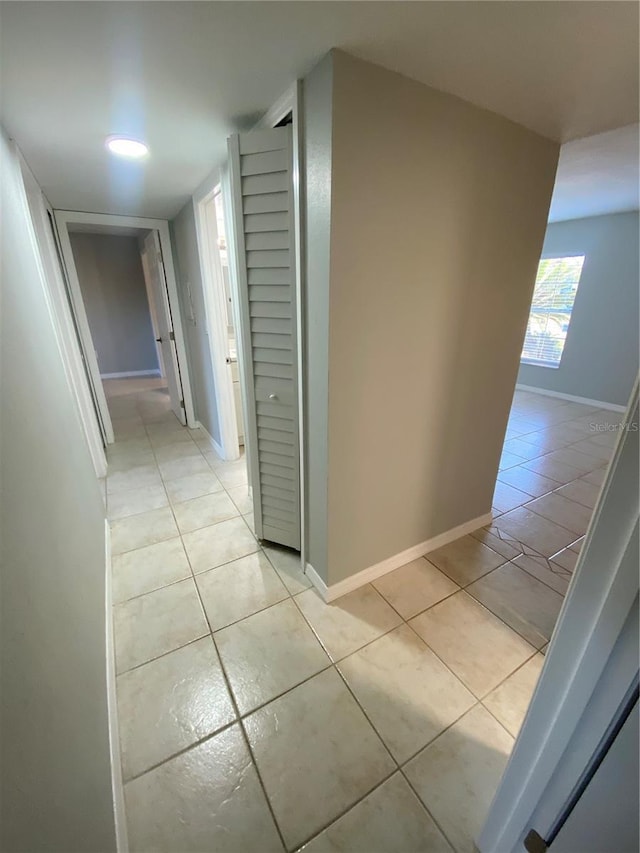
column 612, row 407
column 372, row 573
column 117, row 785
column 217, row 447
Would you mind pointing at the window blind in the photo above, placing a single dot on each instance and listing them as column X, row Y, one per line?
column 553, row 298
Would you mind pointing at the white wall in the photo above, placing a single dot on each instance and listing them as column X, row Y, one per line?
column 438, row 211
column 55, row 768
column 115, row 299
column 600, row 358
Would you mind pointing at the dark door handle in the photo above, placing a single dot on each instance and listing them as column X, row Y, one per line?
column 159, row 340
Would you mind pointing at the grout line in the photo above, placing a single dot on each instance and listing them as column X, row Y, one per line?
column 180, row 752
column 431, row 815
column 349, row 808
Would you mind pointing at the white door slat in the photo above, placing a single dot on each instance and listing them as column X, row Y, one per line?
column 264, row 162
column 263, row 140
column 268, row 258
column 267, row 203
column 275, row 182
column 269, row 275
column 272, row 325
column 267, row 240
column 258, row 222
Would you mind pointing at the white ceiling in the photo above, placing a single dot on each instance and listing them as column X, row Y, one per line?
column 183, row 75
column 598, row 175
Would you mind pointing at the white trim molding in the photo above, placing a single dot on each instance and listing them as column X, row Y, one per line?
column 372, row 573
column 210, row 439
column 117, row 786
column 612, row 407
column 215, row 311
column 128, row 374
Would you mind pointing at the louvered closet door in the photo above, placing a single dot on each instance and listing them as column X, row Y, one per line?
column 261, row 173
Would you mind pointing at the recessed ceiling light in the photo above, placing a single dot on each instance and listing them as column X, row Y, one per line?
column 124, row 147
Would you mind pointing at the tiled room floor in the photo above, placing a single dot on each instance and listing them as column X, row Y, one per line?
column 253, row 717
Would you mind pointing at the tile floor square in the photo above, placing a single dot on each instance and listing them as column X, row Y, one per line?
column 213, row 546
column 316, row 753
column 147, row 528
column 170, row 703
column 563, row 511
column 148, row 568
column 239, row 589
column 192, row 486
column 208, row 798
column 510, row 701
column 204, row 511
column 390, row 819
column 268, row 653
column 458, row 774
column 287, row 564
column 156, row 623
column 406, row 691
column 414, row 587
column 134, row 501
column 477, row 646
column 532, row 529
column 530, row 607
column 543, row 569
column 527, row 481
column 350, row 622
column 465, row 560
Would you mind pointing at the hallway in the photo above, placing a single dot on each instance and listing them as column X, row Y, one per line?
column 253, row 717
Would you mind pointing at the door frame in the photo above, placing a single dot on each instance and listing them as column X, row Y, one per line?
column 538, row 777
column 64, row 218
column 54, row 277
column 215, row 311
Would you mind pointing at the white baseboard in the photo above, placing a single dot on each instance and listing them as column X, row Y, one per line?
column 117, row 787
column 217, row 447
column 128, row 374
column 330, row 593
column 612, row 407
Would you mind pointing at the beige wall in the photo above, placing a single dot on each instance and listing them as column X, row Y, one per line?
column 438, row 213
column 55, row 768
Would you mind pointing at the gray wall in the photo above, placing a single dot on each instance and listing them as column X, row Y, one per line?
column 55, row 768
column 115, row 299
column 438, row 211
column 189, row 276
column 600, row 358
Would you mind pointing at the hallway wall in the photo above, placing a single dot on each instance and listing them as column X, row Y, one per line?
column 437, row 216
column 189, row 281
column 115, row 299
column 55, row 769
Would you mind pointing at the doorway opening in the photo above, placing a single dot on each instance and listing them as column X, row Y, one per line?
column 124, row 298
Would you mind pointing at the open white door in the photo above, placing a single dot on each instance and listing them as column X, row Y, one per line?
column 166, row 338
column 262, row 188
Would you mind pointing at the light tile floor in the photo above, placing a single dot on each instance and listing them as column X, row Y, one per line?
column 253, row 717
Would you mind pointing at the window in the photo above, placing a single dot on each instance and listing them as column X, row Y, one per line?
column 555, row 292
